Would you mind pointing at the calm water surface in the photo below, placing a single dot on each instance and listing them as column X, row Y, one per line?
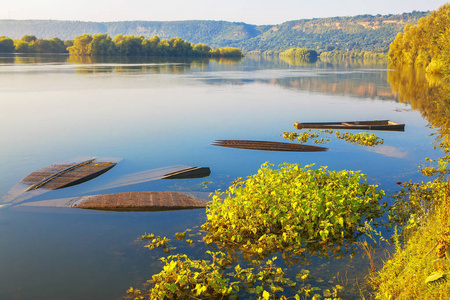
column 154, row 114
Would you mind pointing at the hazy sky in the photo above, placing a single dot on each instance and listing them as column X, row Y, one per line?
column 249, row 11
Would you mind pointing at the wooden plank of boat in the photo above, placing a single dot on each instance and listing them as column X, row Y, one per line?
column 267, row 146
column 139, row 201
column 57, row 176
column 385, row 125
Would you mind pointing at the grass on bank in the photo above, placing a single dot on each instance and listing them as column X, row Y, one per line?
column 419, row 269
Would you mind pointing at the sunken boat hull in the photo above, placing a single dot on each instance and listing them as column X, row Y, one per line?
column 172, row 172
column 57, row 176
column 194, row 172
column 268, row 146
column 64, row 175
column 140, row 201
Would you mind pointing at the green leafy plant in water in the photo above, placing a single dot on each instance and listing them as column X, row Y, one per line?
column 183, row 278
column 205, row 184
column 304, row 137
column 362, row 138
column 441, row 168
column 415, row 200
column 157, row 242
column 291, row 208
column 180, row 235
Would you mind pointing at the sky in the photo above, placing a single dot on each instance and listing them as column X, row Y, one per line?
column 258, row 12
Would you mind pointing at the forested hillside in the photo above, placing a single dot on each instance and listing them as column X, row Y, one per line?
column 364, row 32
column 425, row 44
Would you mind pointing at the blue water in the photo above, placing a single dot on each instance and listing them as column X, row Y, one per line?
column 154, row 114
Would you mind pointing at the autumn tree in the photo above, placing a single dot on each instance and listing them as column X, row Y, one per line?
column 6, row 45
column 81, row 45
column 28, row 38
column 129, row 45
column 424, row 43
column 22, row 47
column 102, row 45
column 180, row 47
column 202, row 49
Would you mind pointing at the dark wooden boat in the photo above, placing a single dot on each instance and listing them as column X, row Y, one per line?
column 64, row 175
column 358, row 125
column 139, row 201
column 267, row 146
column 58, row 176
column 192, row 172
column 128, row 201
column 171, row 172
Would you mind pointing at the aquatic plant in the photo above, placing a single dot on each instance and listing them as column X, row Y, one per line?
column 157, row 242
column 362, row 138
column 291, row 210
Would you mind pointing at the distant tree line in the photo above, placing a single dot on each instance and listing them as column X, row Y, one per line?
column 131, row 45
column 31, row 44
column 121, row 45
column 354, row 54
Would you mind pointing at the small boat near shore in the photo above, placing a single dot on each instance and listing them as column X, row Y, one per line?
column 385, row 125
column 267, row 146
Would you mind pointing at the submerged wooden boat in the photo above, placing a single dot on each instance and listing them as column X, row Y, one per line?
column 139, row 201
column 267, row 146
column 64, row 175
column 58, row 176
column 191, row 172
column 128, row 201
column 171, row 172
column 358, row 125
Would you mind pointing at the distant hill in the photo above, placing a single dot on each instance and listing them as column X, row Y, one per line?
column 365, row 32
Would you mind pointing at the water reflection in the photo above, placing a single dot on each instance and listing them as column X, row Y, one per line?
column 20, row 59
column 336, row 78
column 364, row 85
column 430, row 95
column 98, row 65
column 297, row 61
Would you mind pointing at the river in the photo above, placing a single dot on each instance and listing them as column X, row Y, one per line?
column 152, row 114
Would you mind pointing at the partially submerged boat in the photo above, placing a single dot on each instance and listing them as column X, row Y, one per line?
column 64, row 175
column 189, row 172
column 358, row 125
column 128, row 201
column 267, row 146
column 58, row 176
column 171, row 172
